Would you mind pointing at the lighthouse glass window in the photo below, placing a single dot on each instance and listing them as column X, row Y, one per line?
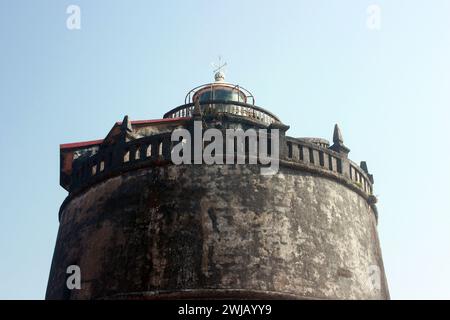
column 224, row 94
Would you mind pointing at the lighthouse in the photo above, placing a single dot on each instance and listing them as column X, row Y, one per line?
column 139, row 226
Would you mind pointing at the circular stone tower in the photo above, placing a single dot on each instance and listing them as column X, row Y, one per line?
column 139, row 226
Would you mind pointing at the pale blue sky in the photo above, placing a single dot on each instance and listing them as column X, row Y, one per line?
column 313, row 63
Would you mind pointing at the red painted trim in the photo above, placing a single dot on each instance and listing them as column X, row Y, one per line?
column 155, row 121
column 80, row 144
column 95, row 142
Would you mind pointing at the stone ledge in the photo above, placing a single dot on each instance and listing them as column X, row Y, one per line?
column 210, row 294
column 283, row 163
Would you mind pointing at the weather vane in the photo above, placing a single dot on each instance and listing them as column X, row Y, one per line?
column 219, row 75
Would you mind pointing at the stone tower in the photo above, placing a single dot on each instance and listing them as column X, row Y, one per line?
column 141, row 227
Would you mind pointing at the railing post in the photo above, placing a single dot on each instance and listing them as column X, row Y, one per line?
column 295, row 152
column 345, row 165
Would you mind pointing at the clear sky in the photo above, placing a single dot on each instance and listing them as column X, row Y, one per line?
column 313, row 63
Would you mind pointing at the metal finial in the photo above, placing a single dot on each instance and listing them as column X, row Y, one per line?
column 219, row 75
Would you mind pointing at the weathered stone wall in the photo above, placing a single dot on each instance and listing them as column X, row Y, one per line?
column 221, row 230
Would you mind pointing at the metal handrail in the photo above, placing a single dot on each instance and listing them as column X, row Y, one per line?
column 191, row 93
column 172, row 112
